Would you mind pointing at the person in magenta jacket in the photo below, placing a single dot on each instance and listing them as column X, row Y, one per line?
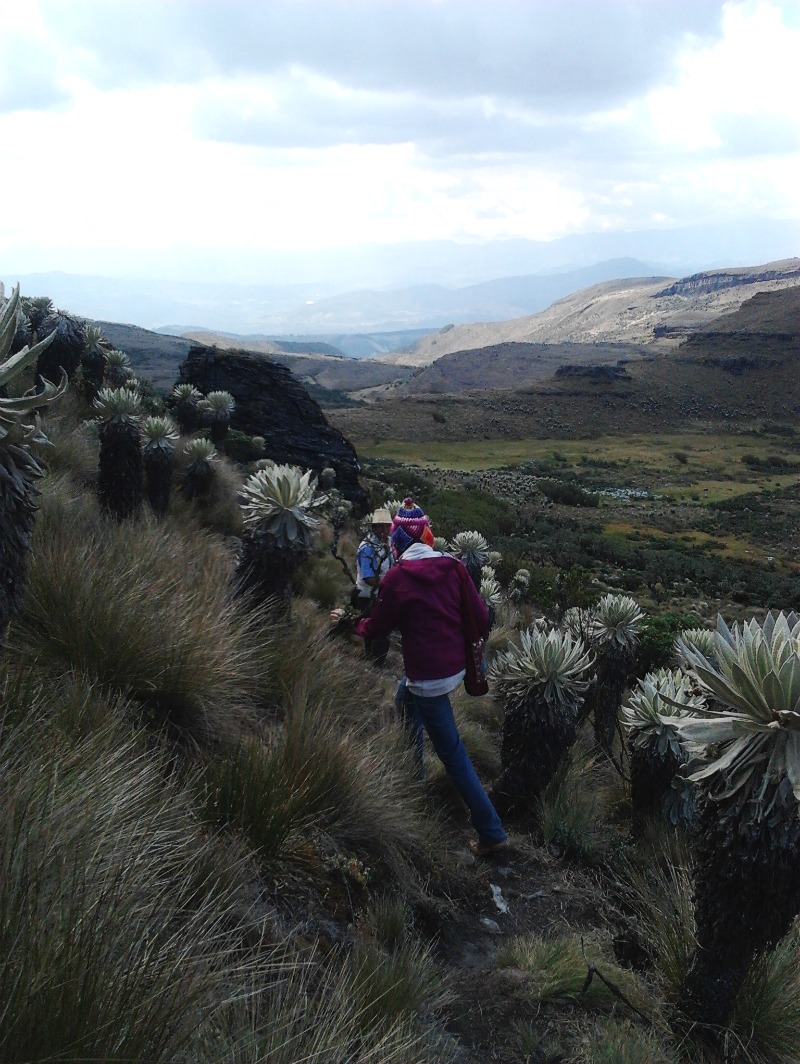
column 421, row 596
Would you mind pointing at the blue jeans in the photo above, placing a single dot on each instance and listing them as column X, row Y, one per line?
column 436, row 716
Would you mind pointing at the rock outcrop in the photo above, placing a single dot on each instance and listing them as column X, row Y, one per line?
column 717, row 280
column 271, row 403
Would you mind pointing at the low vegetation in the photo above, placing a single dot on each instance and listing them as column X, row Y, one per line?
column 215, row 846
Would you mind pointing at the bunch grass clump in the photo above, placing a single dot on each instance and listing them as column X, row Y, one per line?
column 142, row 610
column 308, row 1012
column 574, row 811
column 105, row 957
column 557, row 970
column 358, row 782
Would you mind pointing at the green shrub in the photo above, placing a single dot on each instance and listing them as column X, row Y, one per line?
column 657, row 640
column 567, row 494
column 771, row 463
column 452, row 511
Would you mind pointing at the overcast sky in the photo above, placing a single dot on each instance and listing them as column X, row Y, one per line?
column 144, row 135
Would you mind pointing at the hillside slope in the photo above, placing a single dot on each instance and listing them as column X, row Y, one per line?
column 641, row 310
column 741, row 371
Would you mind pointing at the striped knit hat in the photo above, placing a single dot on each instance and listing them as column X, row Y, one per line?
column 408, row 526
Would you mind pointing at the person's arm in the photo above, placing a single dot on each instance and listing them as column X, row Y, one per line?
column 385, row 613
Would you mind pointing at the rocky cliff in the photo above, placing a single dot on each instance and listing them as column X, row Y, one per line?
column 271, row 403
column 717, row 280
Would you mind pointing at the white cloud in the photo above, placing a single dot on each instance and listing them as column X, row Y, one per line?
column 129, row 129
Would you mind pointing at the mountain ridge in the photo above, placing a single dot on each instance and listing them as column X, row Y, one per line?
column 628, row 310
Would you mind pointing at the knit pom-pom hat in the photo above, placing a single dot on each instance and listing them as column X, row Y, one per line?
column 408, row 526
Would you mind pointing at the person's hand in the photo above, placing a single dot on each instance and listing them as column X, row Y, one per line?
column 336, row 616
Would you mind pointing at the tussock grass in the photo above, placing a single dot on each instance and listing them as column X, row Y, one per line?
column 325, row 1018
column 360, row 782
column 104, row 957
column 304, row 655
column 557, row 970
column 247, row 789
column 657, row 887
column 392, row 986
column 575, row 808
column 766, row 1019
column 142, row 609
column 318, row 772
column 76, row 450
column 620, row 1042
column 387, row 921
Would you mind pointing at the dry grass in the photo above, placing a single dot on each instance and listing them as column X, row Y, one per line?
column 142, row 609
column 557, row 970
column 584, row 796
column 102, row 956
column 327, row 1015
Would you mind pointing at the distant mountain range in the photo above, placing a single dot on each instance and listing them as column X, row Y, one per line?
column 595, row 333
column 399, row 287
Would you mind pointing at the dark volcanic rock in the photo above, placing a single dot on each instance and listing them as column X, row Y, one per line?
column 271, row 403
column 595, row 373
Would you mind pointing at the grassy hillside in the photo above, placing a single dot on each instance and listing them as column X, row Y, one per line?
column 215, row 845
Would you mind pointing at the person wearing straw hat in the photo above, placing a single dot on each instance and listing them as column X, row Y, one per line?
column 373, row 559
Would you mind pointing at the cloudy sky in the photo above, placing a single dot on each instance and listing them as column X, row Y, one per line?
column 154, row 136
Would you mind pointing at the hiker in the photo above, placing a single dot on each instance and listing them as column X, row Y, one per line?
column 421, row 596
column 373, row 560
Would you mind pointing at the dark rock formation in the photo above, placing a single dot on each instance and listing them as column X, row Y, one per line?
column 594, row 373
column 271, row 403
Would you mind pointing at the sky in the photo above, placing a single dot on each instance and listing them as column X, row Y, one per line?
column 156, row 137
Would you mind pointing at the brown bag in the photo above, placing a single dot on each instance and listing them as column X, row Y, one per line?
column 475, row 681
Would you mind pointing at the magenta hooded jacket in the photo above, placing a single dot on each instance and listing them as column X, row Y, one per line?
column 422, row 598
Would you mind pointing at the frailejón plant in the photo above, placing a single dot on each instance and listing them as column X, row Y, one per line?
column 614, row 636
column 121, row 475
column 19, row 430
column 540, row 684
column 690, row 639
column 655, row 747
column 747, row 887
column 199, row 472
column 473, row 550
column 184, row 399
column 117, row 369
column 490, row 589
column 280, row 512
column 93, row 361
column 217, row 408
column 159, row 435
